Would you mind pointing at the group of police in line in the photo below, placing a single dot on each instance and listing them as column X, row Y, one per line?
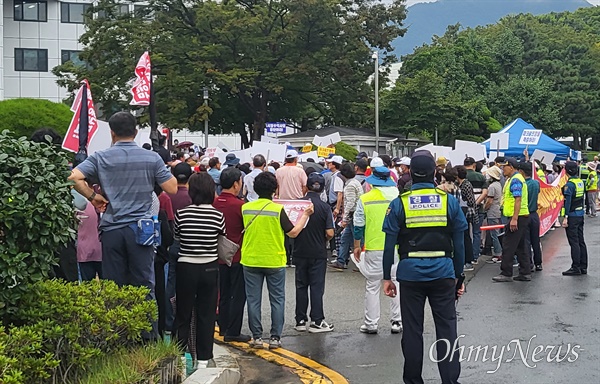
column 426, row 227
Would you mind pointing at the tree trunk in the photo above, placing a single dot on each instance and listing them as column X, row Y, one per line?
column 576, row 141
column 244, row 136
column 596, row 142
column 260, row 117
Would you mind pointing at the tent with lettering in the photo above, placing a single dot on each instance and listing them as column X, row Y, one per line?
column 546, row 143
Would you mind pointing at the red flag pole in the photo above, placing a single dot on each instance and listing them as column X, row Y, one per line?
column 82, row 153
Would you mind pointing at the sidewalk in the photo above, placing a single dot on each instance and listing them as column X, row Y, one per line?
column 225, row 370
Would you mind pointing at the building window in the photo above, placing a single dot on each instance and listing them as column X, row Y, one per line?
column 73, row 12
column 31, row 60
column 72, row 56
column 31, row 10
column 119, row 10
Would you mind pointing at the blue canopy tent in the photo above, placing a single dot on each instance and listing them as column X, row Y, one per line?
column 546, row 143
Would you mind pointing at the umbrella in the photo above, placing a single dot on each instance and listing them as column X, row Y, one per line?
column 316, row 166
column 185, row 144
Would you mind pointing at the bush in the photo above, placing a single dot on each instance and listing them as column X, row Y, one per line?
column 346, row 151
column 64, row 327
column 24, row 116
column 36, row 215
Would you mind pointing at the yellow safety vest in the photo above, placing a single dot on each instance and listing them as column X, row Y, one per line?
column 263, row 245
column 375, row 205
column 541, row 175
column 591, row 183
column 508, row 200
column 583, row 171
column 426, row 212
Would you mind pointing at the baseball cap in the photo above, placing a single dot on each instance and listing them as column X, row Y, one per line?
column 511, row 161
column 422, row 164
column 571, row 167
column 205, row 160
column 315, row 182
column 396, row 161
column 405, row 161
column 469, row 161
column 182, row 172
column 336, row 159
column 376, row 162
column 362, row 155
column 291, row 154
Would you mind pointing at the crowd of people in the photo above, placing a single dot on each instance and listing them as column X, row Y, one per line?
column 372, row 210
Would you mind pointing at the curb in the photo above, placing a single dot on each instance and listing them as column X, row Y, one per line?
column 227, row 370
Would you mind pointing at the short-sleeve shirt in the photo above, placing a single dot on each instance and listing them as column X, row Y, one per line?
column 291, row 180
column 231, row 207
column 495, row 192
column 311, row 242
column 127, row 174
column 181, row 199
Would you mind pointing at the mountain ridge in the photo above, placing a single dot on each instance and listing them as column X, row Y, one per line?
column 424, row 20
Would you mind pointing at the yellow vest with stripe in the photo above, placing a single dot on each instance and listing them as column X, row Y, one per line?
column 583, row 171
column 375, row 205
column 591, row 184
column 541, row 175
column 425, row 232
column 508, row 200
column 263, row 245
column 577, row 201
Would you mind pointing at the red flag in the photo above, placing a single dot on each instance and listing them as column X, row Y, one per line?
column 71, row 141
column 142, row 85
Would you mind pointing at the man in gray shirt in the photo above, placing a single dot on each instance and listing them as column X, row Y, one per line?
column 126, row 174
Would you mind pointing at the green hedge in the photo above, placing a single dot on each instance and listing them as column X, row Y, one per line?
column 25, row 116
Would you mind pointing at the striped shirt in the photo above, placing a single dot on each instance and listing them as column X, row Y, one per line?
column 197, row 228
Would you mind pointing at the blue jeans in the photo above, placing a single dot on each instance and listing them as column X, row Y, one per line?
column 497, row 246
column 346, row 244
column 477, row 236
column 254, row 278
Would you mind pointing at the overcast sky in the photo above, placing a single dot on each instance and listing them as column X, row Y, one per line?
column 411, row 2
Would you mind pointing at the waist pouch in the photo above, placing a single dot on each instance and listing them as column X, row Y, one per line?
column 147, row 232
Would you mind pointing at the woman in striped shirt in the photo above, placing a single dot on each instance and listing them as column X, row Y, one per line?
column 197, row 228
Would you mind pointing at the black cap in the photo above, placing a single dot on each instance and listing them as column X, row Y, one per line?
column 571, row 167
column 526, row 167
column 362, row 155
column 182, row 172
column 422, row 164
column 468, row 161
column 315, row 182
column 511, row 161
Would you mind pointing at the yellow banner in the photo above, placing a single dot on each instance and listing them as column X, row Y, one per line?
column 307, row 148
column 325, row 151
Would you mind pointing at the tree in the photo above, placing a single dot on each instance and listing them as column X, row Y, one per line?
column 25, row 116
column 300, row 61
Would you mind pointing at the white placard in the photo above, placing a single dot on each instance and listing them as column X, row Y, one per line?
column 456, row 158
column 530, row 136
column 498, row 141
column 470, row 149
column 327, row 140
column 436, row 150
column 493, row 156
column 223, row 146
column 544, row 157
column 269, row 151
column 244, row 155
column 375, row 154
column 267, row 139
column 222, row 155
column 306, row 156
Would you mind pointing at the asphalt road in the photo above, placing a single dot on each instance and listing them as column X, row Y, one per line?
column 552, row 311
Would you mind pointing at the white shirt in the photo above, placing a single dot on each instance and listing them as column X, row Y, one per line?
column 249, row 184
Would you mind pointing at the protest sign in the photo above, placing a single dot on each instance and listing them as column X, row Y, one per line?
column 294, row 208
column 327, row 140
column 498, row 141
column 550, row 201
column 244, row 155
column 307, row 148
column 530, row 136
column 325, row 152
column 544, row 157
column 267, row 139
column 436, row 150
column 309, row 155
column 470, row 149
column 274, row 152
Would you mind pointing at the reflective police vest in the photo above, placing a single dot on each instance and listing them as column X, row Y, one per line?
column 376, row 206
column 583, row 171
column 508, row 200
column 263, row 244
column 577, row 201
column 425, row 232
column 541, row 175
column 591, row 184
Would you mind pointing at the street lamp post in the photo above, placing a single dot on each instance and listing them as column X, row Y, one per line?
column 376, row 57
column 206, row 120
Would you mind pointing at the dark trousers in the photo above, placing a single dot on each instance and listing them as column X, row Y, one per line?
column 197, row 287
column 468, row 246
column 289, row 249
column 441, row 296
column 89, row 269
column 310, row 273
column 535, row 251
column 171, row 281
column 125, row 262
column 161, row 297
column 579, row 255
column 516, row 243
column 67, row 263
column 232, row 299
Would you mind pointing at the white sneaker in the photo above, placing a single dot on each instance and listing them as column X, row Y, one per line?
column 368, row 329
column 200, row 364
column 320, row 328
column 396, row 326
column 256, row 343
column 301, row 326
column 274, row 343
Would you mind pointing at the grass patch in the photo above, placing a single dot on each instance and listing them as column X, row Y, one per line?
column 140, row 365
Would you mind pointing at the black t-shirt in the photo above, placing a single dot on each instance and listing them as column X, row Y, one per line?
column 310, row 243
column 164, row 154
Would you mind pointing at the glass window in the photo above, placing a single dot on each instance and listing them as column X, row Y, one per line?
column 73, row 13
column 72, row 56
column 119, row 10
column 33, row 60
column 31, row 10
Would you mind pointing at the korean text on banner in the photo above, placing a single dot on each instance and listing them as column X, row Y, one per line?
column 307, row 148
column 550, row 201
column 530, row 136
column 141, row 87
column 325, row 151
column 71, row 141
column 294, row 208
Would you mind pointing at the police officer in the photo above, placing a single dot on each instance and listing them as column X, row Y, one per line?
column 574, row 211
column 427, row 225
